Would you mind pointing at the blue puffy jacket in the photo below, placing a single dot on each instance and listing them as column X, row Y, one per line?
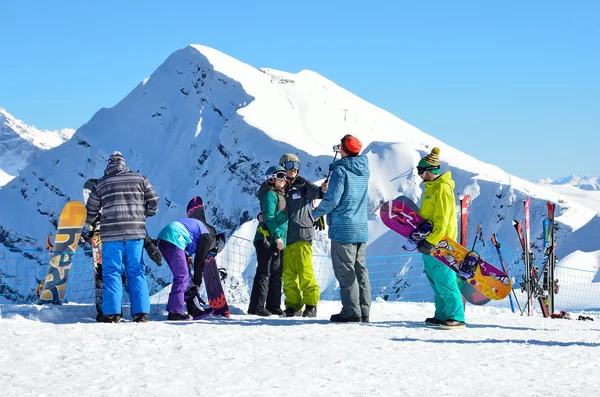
column 346, row 200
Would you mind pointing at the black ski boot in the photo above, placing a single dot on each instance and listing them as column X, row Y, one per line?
column 337, row 318
column 275, row 310
column 433, row 322
column 260, row 312
column 179, row 317
column 289, row 312
column 452, row 324
column 141, row 317
column 111, row 318
column 310, row 311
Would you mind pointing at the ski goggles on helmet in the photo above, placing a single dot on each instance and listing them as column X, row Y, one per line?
column 421, row 170
column 288, row 165
column 277, row 175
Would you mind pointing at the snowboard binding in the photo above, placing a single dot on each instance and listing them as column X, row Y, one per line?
column 418, row 235
column 468, row 266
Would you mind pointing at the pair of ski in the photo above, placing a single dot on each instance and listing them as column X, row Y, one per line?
column 544, row 292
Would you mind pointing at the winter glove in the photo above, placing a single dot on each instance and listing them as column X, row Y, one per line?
column 319, row 224
column 425, row 247
column 152, row 250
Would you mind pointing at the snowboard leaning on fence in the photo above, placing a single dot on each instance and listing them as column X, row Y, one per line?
column 66, row 239
column 212, row 280
column 400, row 216
column 214, row 287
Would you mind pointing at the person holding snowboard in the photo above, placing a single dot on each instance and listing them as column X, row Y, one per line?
column 438, row 205
column 180, row 240
column 299, row 282
column 346, row 203
column 269, row 241
column 126, row 199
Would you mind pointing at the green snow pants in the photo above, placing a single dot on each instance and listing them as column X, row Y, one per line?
column 299, row 283
column 447, row 297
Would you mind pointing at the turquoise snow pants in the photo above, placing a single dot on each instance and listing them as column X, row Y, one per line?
column 447, row 297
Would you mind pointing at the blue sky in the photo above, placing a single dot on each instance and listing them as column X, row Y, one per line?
column 515, row 83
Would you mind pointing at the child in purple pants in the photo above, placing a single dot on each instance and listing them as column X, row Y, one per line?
column 177, row 242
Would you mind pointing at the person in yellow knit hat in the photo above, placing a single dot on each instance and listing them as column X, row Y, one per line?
column 439, row 206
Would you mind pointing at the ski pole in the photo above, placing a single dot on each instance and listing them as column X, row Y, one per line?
column 497, row 245
column 477, row 233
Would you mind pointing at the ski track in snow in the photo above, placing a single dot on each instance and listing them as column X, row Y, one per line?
column 499, row 354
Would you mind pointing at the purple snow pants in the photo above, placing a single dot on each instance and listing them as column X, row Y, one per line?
column 175, row 258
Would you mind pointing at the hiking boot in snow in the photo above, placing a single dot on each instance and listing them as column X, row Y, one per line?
column 337, row 318
column 289, row 312
column 310, row 311
column 276, row 311
column 452, row 324
column 141, row 317
column 111, row 318
column 433, row 322
column 179, row 317
column 365, row 319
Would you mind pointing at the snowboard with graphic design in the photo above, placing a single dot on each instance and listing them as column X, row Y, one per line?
column 214, row 287
column 70, row 225
column 400, row 216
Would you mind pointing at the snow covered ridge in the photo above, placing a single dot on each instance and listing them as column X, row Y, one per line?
column 207, row 124
column 586, row 182
column 20, row 143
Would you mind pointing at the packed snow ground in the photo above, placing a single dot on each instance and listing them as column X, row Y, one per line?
column 498, row 354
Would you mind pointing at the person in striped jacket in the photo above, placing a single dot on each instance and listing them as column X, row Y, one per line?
column 346, row 206
column 124, row 200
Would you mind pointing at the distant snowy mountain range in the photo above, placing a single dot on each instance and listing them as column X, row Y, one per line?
column 585, row 182
column 207, row 124
column 21, row 143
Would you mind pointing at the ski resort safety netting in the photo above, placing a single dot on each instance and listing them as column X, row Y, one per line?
column 393, row 278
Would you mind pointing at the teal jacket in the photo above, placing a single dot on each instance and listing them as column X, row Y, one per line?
column 274, row 210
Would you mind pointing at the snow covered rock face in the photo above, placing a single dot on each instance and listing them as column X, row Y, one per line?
column 206, row 124
column 20, row 143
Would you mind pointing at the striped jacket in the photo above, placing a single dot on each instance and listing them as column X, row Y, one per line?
column 125, row 200
column 346, row 200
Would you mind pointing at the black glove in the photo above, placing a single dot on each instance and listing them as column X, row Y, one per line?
column 222, row 273
column 425, row 247
column 319, row 224
column 152, row 250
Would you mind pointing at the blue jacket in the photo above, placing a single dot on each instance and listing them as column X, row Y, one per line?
column 346, row 200
column 184, row 233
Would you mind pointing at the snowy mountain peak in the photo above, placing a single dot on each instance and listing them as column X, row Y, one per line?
column 20, row 143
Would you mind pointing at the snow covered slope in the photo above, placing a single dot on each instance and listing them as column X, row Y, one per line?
column 581, row 249
column 20, row 143
column 207, row 124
